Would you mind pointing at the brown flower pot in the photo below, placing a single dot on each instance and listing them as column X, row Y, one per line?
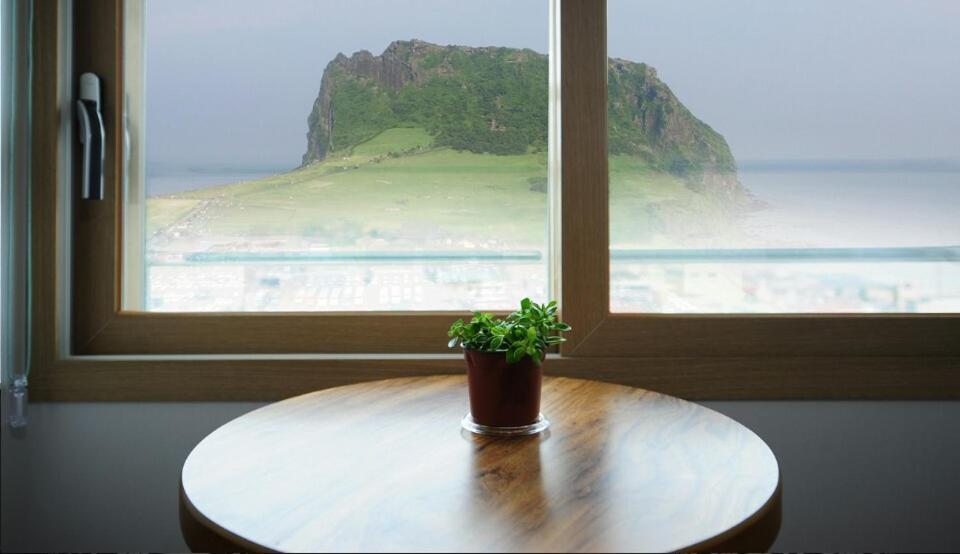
column 503, row 394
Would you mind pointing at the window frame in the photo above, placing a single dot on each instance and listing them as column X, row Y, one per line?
column 86, row 347
column 101, row 326
column 586, row 267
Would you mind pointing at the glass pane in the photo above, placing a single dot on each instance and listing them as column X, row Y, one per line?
column 336, row 156
column 784, row 156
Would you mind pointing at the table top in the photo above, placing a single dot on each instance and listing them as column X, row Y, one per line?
column 385, row 466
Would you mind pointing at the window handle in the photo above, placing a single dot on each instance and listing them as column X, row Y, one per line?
column 92, row 137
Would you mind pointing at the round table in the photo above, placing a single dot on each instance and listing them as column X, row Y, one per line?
column 385, row 466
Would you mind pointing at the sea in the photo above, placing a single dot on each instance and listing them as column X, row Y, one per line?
column 861, row 205
column 163, row 180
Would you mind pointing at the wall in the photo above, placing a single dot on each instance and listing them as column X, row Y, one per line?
column 858, row 476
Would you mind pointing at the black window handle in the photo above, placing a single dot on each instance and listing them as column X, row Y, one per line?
column 92, row 136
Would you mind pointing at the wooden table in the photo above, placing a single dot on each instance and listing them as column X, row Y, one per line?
column 385, row 466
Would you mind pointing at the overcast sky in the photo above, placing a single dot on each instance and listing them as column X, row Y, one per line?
column 231, row 82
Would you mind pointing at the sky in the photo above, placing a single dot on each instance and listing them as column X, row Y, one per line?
column 230, row 83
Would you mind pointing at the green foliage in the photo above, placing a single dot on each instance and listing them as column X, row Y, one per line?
column 361, row 113
column 396, row 141
column 495, row 101
column 645, row 119
column 526, row 332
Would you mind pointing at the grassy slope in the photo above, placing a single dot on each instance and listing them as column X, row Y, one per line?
column 419, row 197
column 163, row 212
column 412, row 198
column 401, row 139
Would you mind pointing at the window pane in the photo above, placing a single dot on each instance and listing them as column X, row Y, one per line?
column 784, row 156
column 336, row 156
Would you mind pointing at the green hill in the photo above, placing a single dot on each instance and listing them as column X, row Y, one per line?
column 494, row 100
column 444, row 148
column 398, row 191
column 481, row 100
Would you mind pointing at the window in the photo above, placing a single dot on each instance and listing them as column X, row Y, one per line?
column 276, row 286
column 806, row 161
column 302, row 156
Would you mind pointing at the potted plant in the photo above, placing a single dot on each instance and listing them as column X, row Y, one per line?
column 504, row 359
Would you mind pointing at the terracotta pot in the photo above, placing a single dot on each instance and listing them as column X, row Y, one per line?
column 503, row 394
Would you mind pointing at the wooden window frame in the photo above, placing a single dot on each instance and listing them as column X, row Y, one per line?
column 110, row 353
column 100, row 324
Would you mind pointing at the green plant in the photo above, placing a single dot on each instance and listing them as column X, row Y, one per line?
column 526, row 332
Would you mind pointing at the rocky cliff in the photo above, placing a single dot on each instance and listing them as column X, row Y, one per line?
column 494, row 100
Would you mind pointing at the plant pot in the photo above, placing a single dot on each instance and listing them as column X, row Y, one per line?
column 504, row 397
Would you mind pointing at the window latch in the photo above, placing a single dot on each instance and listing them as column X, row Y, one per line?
column 92, row 137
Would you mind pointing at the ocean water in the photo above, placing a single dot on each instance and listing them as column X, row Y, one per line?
column 854, row 207
column 164, row 180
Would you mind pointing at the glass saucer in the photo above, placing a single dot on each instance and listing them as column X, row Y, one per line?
column 537, row 426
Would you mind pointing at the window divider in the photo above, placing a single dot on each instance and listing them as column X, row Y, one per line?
column 584, row 204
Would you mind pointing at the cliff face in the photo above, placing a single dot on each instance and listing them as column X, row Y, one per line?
column 494, row 100
column 646, row 119
column 388, row 71
column 488, row 99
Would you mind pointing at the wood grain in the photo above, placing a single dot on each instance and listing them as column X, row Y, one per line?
column 45, row 169
column 584, row 204
column 384, row 466
column 786, row 335
column 619, row 335
column 242, row 333
column 96, row 224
